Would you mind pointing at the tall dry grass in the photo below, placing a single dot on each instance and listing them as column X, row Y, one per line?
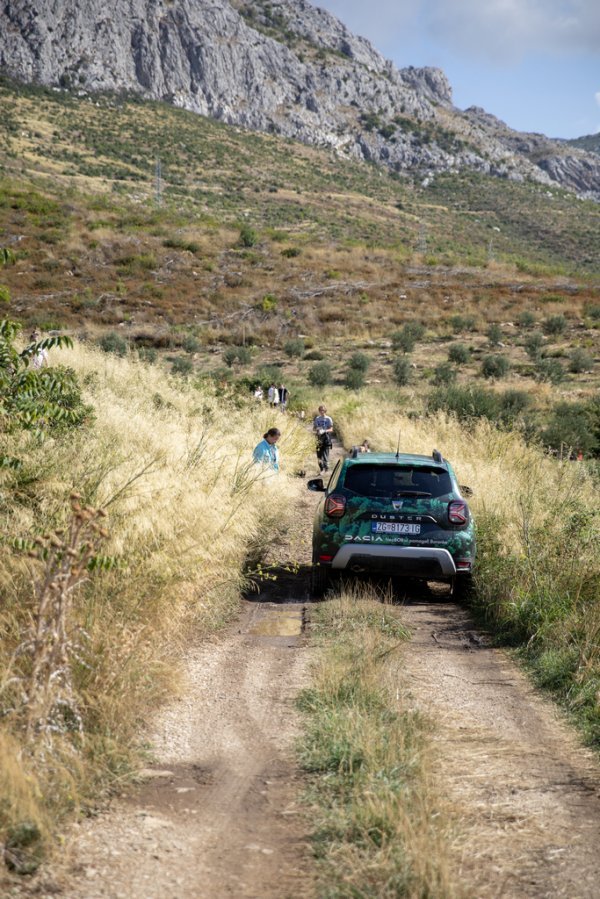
column 538, row 525
column 171, row 464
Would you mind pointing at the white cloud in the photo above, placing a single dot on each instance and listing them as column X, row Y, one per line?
column 597, row 95
column 504, row 30
column 510, row 29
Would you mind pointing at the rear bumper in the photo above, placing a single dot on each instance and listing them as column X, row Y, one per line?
column 412, row 561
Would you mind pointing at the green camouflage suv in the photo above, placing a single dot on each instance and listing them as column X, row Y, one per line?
column 393, row 513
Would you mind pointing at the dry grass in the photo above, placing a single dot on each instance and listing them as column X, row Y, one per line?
column 538, row 571
column 171, row 464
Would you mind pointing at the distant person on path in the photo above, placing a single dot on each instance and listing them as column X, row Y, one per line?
column 284, row 396
column 323, row 429
column 40, row 358
column 273, row 396
column 364, row 447
column 266, row 452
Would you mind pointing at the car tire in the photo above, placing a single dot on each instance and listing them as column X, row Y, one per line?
column 462, row 588
column 319, row 579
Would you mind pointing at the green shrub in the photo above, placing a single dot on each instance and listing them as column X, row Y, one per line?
column 571, row 427
column 460, row 323
column 147, row 354
column 320, row 374
column 592, row 310
column 444, row 374
column 526, row 319
column 406, row 339
column 314, row 356
column 240, row 354
column 355, row 379
column 268, row 374
column 291, row 252
column 359, row 362
column 248, row 236
column 268, row 303
column 494, row 334
column 549, row 370
column 495, row 366
column 555, row 325
column 534, row 344
column 473, row 401
column 580, row 360
column 113, row 343
column 402, row 371
column 191, row 344
column 459, row 354
column 38, row 400
column 294, row 347
column 182, row 366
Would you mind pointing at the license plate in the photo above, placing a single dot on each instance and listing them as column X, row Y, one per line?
column 394, row 527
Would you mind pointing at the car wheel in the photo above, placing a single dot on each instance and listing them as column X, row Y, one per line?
column 319, row 579
column 462, row 588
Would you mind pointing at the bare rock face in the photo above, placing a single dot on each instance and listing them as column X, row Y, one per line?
column 286, row 67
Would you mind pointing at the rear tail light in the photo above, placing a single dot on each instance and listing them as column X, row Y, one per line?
column 458, row 512
column 335, row 506
column 463, row 564
column 323, row 558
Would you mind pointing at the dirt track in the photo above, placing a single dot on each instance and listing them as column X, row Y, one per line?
column 218, row 814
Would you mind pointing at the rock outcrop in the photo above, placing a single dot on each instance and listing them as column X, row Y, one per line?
column 283, row 66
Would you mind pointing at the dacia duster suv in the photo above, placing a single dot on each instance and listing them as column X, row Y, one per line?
column 393, row 513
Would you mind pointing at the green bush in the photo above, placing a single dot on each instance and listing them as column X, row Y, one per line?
column 41, row 400
column 549, row 370
column 571, row 427
column 355, row 379
column 290, row 252
column 580, row 360
column 320, row 374
column 534, row 344
column 555, row 325
column 294, row 347
column 459, row 354
column 406, row 339
column 314, row 356
column 113, row 343
column 460, row 323
column 494, row 334
column 248, row 236
column 182, row 366
column 359, row 362
column 191, row 344
column 444, row 374
column 526, row 319
column 402, row 371
column 495, row 366
column 147, row 354
column 473, row 401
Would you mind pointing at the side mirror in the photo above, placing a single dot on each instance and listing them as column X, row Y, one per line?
column 466, row 491
column 316, row 485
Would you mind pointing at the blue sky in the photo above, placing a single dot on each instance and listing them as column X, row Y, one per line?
column 533, row 63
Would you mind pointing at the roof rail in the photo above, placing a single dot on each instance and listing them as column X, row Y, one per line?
column 354, row 453
column 437, row 456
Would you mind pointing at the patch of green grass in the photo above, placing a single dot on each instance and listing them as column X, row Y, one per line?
column 376, row 823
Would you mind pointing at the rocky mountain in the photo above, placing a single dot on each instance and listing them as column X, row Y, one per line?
column 281, row 66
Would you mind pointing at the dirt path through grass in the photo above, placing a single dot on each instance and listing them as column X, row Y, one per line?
column 217, row 815
column 526, row 795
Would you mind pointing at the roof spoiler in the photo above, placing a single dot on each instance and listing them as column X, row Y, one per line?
column 437, row 456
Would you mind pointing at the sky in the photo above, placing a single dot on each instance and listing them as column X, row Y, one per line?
column 535, row 64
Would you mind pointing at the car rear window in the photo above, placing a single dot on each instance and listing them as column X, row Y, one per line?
column 397, row 480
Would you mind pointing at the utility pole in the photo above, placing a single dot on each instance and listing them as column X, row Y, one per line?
column 158, row 182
